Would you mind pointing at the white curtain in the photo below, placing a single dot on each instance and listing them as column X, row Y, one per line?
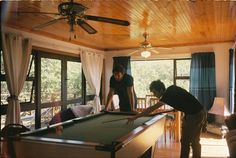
column 92, row 64
column 16, row 56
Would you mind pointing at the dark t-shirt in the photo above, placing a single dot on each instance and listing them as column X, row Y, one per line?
column 120, row 88
column 181, row 100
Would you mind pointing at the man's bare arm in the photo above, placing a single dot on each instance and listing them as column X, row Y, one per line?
column 109, row 98
column 131, row 97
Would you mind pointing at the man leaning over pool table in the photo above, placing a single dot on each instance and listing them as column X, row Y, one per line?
column 194, row 115
column 122, row 84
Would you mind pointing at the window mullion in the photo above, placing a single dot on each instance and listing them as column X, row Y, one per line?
column 83, row 88
column 63, row 84
column 37, row 91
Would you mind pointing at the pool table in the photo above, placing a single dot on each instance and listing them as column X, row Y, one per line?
column 93, row 137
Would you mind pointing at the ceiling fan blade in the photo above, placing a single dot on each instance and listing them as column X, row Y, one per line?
column 133, row 52
column 86, row 27
column 162, row 48
column 20, row 12
column 107, row 20
column 47, row 23
column 154, row 51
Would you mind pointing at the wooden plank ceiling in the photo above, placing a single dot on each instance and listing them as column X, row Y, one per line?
column 168, row 23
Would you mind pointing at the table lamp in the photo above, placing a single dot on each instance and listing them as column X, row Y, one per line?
column 219, row 107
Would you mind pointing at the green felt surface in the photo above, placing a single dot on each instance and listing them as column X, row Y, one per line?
column 94, row 130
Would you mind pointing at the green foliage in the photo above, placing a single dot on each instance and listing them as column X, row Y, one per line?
column 183, row 67
column 74, row 80
column 144, row 72
column 50, row 79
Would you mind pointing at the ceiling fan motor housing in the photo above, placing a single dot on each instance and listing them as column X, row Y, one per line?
column 69, row 8
column 145, row 43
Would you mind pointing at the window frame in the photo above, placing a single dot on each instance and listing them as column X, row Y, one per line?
column 176, row 77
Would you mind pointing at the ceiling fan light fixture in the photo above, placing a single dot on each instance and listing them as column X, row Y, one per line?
column 145, row 54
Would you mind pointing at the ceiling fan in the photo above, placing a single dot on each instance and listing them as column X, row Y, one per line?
column 74, row 13
column 146, row 48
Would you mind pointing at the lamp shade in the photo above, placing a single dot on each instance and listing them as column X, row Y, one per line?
column 219, row 107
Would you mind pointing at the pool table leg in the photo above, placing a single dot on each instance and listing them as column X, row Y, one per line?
column 153, row 150
column 149, row 153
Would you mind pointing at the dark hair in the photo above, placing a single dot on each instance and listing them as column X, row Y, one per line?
column 157, row 85
column 118, row 68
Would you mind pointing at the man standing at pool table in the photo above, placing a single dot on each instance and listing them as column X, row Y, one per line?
column 194, row 115
column 122, row 84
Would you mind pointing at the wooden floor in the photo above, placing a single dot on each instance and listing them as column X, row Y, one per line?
column 212, row 147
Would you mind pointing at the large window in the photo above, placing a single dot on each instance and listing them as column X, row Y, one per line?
column 168, row 71
column 60, row 83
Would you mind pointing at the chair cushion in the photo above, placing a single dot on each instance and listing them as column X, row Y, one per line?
column 70, row 113
column 82, row 110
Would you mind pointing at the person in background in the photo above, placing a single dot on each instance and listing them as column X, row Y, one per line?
column 122, row 84
column 194, row 115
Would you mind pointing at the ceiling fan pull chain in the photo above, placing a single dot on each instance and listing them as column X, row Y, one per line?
column 70, row 36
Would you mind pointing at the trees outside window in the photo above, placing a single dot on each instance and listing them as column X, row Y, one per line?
column 50, row 80
column 182, row 73
column 74, row 71
column 171, row 72
column 144, row 72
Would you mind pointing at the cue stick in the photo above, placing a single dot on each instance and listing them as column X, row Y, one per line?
column 158, row 113
column 161, row 112
column 116, row 120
